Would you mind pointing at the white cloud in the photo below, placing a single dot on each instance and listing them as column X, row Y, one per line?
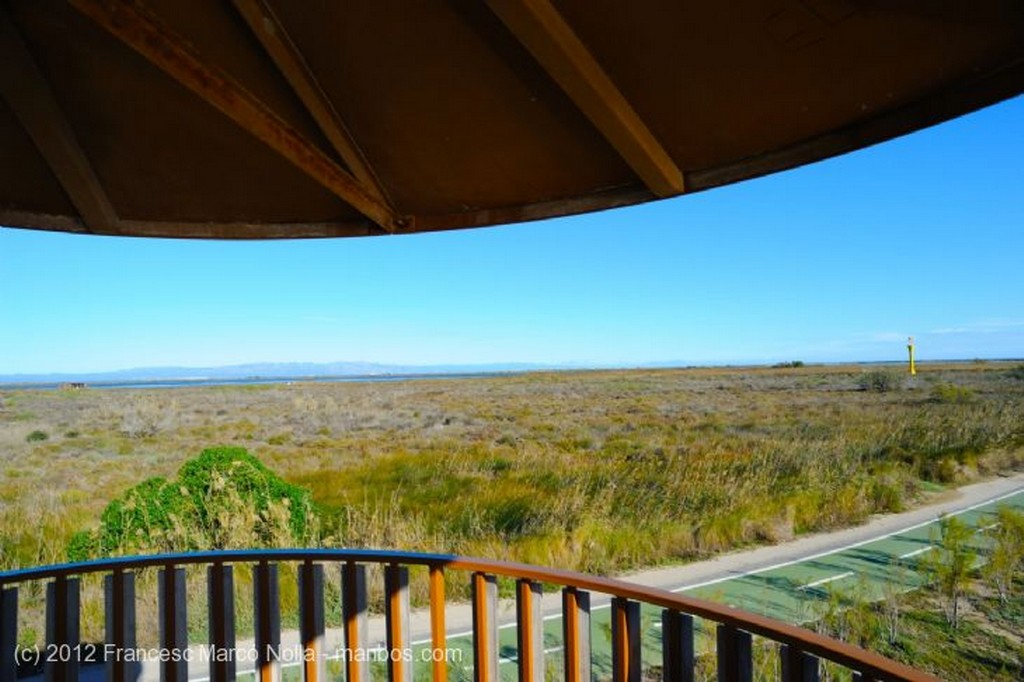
column 991, row 326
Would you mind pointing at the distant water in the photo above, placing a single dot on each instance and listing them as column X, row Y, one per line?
column 259, row 381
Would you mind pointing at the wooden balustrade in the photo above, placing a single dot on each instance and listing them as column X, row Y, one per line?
column 799, row 654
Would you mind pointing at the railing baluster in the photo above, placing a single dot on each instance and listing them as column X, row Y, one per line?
column 530, row 631
column 485, row 628
column 677, row 646
column 625, row 640
column 354, row 610
column 119, row 599
column 62, row 630
column 267, row 606
column 311, row 621
column 797, row 665
column 396, row 614
column 173, row 624
column 8, row 634
column 437, row 632
column 220, row 588
column 576, row 634
column 734, row 633
column 735, row 663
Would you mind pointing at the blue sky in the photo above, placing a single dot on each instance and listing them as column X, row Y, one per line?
column 837, row 261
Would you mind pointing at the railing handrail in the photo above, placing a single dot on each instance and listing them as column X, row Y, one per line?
column 873, row 664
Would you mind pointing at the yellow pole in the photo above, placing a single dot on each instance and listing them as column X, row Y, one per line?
column 910, row 350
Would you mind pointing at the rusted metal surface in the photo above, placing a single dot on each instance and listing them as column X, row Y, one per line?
column 263, row 119
column 484, row 572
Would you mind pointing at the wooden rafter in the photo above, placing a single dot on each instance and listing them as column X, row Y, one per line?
column 155, row 41
column 271, row 34
column 557, row 48
column 29, row 96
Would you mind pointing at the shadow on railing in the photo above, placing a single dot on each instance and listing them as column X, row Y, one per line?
column 799, row 651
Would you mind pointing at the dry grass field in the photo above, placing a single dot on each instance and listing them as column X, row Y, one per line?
column 599, row 471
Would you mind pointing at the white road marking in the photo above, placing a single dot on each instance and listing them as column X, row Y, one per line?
column 917, row 551
column 825, row 581
column 837, row 550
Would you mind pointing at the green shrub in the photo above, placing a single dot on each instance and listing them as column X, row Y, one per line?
column 951, row 393
column 223, row 498
column 880, row 380
column 1016, row 373
column 37, row 436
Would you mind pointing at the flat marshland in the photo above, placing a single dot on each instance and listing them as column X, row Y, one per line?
column 599, row 471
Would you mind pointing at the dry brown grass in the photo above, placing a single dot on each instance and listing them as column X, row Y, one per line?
column 599, row 471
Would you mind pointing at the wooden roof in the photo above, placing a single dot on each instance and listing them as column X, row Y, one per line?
column 240, row 119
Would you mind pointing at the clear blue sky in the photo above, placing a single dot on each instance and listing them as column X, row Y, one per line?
column 836, row 261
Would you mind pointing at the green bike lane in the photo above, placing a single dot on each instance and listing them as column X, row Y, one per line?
column 793, row 591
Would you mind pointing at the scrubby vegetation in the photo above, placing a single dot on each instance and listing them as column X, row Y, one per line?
column 966, row 625
column 223, row 499
column 598, row 471
column 594, row 471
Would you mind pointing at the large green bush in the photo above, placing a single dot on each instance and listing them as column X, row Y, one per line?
column 223, row 498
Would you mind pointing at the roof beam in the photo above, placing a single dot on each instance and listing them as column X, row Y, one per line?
column 560, row 52
column 29, row 96
column 269, row 31
column 147, row 35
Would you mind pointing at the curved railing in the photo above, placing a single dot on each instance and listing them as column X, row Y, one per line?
column 799, row 653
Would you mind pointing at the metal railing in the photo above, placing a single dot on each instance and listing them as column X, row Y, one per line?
column 799, row 655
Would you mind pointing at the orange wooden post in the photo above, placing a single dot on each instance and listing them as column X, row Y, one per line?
column 530, row 631
column 437, row 632
column 625, row 640
column 354, row 611
column 396, row 592
column 576, row 634
column 485, row 628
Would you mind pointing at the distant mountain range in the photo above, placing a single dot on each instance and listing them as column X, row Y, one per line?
column 267, row 370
